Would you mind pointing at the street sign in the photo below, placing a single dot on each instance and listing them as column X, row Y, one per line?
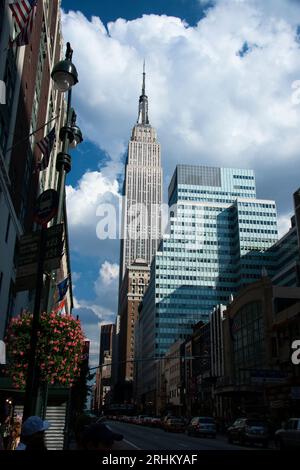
column 53, row 247
column 46, row 206
column 29, row 255
column 27, row 261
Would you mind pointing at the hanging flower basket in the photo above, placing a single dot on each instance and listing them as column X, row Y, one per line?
column 59, row 349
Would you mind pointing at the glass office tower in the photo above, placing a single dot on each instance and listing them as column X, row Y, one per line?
column 218, row 233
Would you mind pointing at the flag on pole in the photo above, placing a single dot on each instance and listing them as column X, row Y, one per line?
column 46, row 145
column 61, row 308
column 62, row 288
column 23, row 12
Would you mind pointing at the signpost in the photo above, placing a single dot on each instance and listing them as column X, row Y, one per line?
column 49, row 245
column 29, row 250
column 53, row 247
column 28, row 261
column 46, row 207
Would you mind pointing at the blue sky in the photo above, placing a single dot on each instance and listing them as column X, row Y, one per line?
column 189, row 10
column 210, row 103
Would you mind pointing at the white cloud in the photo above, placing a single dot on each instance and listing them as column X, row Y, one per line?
column 220, row 93
column 109, row 272
column 76, row 276
column 209, row 104
column 92, row 316
column 92, row 190
column 284, row 224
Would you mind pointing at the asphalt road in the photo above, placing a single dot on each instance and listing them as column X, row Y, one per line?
column 138, row 437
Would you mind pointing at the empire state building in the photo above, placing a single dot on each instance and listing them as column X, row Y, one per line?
column 142, row 191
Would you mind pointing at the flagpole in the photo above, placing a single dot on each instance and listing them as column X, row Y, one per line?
column 30, row 135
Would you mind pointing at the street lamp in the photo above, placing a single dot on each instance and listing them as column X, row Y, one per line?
column 65, row 76
column 64, row 73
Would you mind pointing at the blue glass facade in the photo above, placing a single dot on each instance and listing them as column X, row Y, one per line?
column 286, row 256
column 217, row 237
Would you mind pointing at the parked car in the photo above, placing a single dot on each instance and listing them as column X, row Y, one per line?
column 251, row 431
column 155, row 422
column 174, row 425
column 202, row 426
column 289, row 436
column 147, row 420
column 140, row 419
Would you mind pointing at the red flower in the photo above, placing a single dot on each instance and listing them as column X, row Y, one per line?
column 59, row 350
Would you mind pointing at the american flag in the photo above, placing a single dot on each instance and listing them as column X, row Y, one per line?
column 46, row 145
column 23, row 13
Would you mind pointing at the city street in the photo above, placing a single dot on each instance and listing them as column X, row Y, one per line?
column 146, row 438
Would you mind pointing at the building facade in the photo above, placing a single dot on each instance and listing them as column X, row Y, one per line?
column 286, row 256
column 142, row 192
column 102, row 393
column 140, row 234
column 218, row 235
column 259, row 328
column 31, row 102
column 132, row 290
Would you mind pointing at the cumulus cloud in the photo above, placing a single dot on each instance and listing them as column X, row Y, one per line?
column 92, row 316
column 109, row 272
column 220, row 92
column 284, row 224
column 93, row 191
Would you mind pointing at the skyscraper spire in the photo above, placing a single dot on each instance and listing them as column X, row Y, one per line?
column 143, row 117
column 144, row 79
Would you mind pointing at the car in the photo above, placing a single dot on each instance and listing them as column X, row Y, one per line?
column 289, row 435
column 174, row 425
column 140, row 419
column 202, row 426
column 147, row 420
column 155, row 422
column 248, row 430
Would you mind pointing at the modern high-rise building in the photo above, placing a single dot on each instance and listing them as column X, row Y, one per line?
column 141, row 224
column 142, row 192
column 218, row 234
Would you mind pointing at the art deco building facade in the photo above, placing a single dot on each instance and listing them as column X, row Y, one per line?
column 133, row 288
column 141, row 229
column 142, row 191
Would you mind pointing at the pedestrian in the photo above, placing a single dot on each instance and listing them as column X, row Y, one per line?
column 15, row 435
column 98, row 436
column 33, row 434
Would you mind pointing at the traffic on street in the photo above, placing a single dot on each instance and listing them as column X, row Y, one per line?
column 145, row 437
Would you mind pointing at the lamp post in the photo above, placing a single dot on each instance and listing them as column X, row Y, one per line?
column 64, row 75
